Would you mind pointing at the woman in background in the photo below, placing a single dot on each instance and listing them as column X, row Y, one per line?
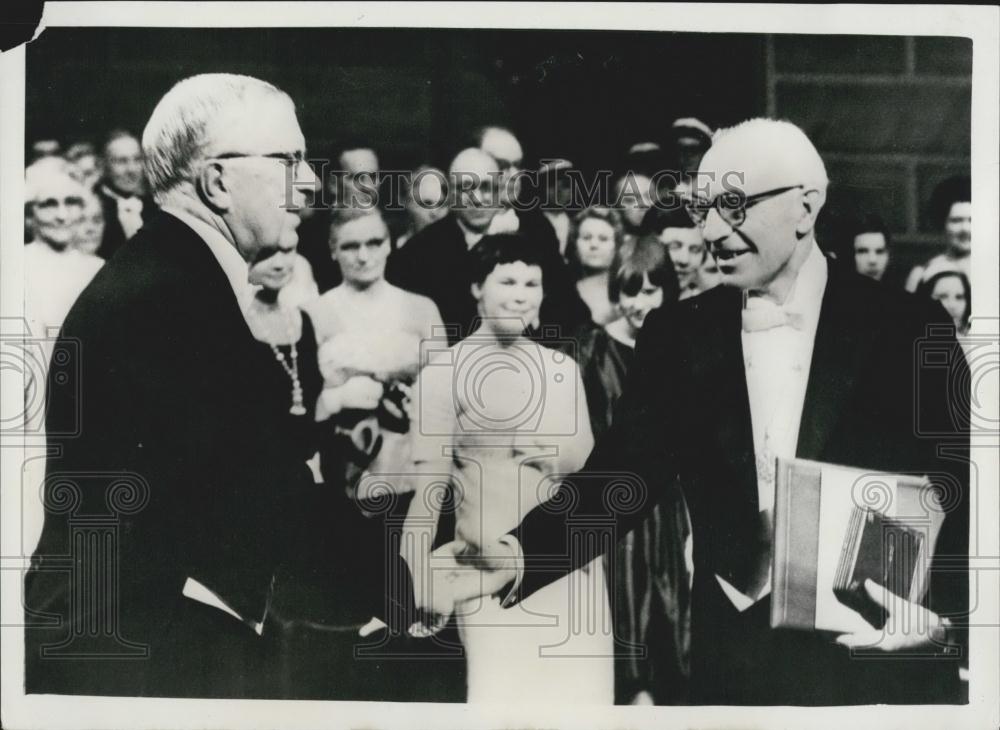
column 286, row 333
column 953, row 290
column 651, row 573
column 370, row 334
column 500, row 444
column 595, row 236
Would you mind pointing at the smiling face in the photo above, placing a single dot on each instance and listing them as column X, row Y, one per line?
column 56, row 210
column 687, row 252
column 474, row 180
column 123, row 165
column 765, row 251
column 958, row 228
column 361, row 247
column 595, row 244
column 636, row 306
column 510, row 298
column 871, row 255
column 261, row 194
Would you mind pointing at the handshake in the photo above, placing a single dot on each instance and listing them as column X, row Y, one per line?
column 456, row 572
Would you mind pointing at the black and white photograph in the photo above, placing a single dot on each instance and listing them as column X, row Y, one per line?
column 500, row 365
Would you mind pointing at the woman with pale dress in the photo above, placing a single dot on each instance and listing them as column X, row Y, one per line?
column 370, row 335
column 501, row 418
column 596, row 234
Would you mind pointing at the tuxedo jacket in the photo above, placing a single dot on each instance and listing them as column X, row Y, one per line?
column 881, row 395
column 114, row 234
column 168, row 438
column 437, row 263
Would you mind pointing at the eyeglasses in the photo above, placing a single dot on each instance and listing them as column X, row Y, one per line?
column 731, row 205
column 292, row 159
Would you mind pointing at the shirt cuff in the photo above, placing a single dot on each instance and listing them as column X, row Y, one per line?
column 515, row 546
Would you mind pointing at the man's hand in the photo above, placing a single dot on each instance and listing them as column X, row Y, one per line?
column 458, row 573
column 909, row 627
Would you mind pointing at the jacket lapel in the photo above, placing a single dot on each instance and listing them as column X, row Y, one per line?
column 725, row 376
column 843, row 337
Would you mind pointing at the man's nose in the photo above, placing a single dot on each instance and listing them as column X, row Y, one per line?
column 305, row 177
column 715, row 230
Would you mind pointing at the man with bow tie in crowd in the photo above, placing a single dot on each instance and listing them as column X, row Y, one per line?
column 791, row 357
column 122, row 192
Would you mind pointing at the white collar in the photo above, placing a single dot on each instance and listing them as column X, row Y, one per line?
column 233, row 266
column 806, row 295
column 107, row 190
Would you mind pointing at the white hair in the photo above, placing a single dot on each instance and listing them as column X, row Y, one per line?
column 39, row 175
column 778, row 144
column 183, row 124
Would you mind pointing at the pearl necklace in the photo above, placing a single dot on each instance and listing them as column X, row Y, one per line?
column 298, row 407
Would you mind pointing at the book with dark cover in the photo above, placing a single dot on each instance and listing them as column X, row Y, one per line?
column 882, row 549
column 836, row 526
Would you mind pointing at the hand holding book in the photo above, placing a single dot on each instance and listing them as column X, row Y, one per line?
column 909, row 626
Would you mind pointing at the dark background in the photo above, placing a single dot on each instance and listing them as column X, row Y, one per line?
column 889, row 114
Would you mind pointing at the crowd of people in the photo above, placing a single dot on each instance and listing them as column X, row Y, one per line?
column 401, row 341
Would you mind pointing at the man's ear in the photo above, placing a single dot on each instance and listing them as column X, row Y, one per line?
column 212, row 187
column 812, row 201
column 477, row 291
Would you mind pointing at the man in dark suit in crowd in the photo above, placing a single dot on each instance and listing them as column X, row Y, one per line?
column 172, row 494
column 791, row 357
column 436, row 263
column 122, row 192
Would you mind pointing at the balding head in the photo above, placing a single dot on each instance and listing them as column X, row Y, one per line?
column 475, row 179
column 759, row 155
column 763, row 185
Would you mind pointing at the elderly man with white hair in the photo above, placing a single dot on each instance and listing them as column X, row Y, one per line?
column 790, row 357
column 55, row 270
column 168, row 448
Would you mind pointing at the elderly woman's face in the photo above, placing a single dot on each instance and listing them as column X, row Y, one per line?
column 56, row 210
column 90, row 227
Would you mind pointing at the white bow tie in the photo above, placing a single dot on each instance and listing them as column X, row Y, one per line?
column 763, row 314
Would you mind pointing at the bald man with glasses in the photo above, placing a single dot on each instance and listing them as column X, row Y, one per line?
column 790, row 357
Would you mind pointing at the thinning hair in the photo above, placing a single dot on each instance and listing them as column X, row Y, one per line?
column 776, row 144
column 183, row 124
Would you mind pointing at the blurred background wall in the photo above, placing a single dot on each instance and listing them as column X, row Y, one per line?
column 891, row 115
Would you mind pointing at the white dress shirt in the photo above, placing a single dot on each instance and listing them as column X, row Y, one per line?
column 129, row 209
column 560, row 223
column 776, row 363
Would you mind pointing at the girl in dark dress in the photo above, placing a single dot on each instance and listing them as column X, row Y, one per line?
column 650, row 576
